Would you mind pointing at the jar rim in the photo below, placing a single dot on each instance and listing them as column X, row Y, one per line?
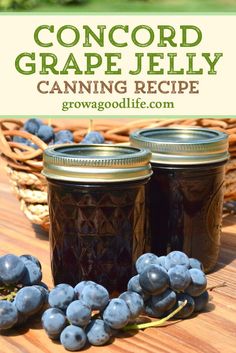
column 101, row 162
column 183, row 144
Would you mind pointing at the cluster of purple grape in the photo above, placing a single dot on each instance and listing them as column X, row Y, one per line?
column 46, row 133
column 93, row 137
column 165, row 282
column 70, row 319
column 22, row 294
column 35, row 127
column 85, row 314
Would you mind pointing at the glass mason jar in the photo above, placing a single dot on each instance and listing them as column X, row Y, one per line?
column 186, row 189
column 96, row 197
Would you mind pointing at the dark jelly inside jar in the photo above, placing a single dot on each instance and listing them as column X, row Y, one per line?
column 186, row 211
column 97, row 211
column 186, row 190
column 97, row 232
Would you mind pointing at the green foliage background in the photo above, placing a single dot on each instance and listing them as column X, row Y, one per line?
column 119, row 5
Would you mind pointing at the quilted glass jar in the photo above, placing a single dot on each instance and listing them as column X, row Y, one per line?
column 186, row 189
column 96, row 196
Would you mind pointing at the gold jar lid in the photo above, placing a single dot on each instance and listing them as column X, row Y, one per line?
column 96, row 163
column 183, row 145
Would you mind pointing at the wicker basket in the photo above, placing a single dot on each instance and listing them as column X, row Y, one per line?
column 24, row 164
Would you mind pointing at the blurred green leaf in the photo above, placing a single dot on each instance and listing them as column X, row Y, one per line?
column 18, row 4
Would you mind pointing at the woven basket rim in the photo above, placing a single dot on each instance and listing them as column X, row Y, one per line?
column 24, row 165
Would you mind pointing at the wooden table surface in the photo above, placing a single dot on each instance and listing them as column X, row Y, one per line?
column 213, row 331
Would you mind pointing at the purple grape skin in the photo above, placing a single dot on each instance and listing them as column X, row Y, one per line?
column 201, row 301
column 79, row 287
column 98, row 333
column 29, row 300
column 22, row 318
column 53, row 322
column 8, row 315
column 61, row 296
column 194, row 263
column 164, row 301
column 44, row 291
column 32, row 125
column 63, row 141
column 78, row 313
column 145, row 260
column 73, row 338
column 154, row 280
column 135, row 303
column 176, row 258
column 20, row 139
column 95, row 296
column 45, row 133
column 33, row 274
column 63, row 135
column 116, row 314
column 179, row 278
column 134, row 286
column 162, row 260
column 150, row 311
column 12, row 269
column 32, row 258
column 93, row 137
column 198, row 283
column 188, row 309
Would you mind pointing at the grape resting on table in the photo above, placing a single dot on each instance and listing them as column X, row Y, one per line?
column 85, row 314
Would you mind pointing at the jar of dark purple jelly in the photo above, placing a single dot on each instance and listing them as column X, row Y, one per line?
column 186, row 189
column 96, row 196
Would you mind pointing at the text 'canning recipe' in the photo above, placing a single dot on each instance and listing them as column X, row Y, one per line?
column 117, row 65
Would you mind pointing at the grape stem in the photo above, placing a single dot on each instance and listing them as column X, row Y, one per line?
column 223, row 284
column 8, row 292
column 95, row 316
column 156, row 322
column 90, row 128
